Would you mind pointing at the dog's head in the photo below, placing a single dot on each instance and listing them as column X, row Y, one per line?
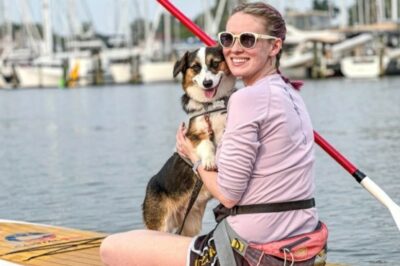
column 206, row 76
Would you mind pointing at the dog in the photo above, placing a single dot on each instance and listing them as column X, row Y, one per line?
column 207, row 84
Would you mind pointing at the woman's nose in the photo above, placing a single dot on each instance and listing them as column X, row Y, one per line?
column 236, row 47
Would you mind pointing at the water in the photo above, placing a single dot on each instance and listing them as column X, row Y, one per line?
column 81, row 158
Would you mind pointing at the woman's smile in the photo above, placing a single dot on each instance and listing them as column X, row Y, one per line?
column 239, row 61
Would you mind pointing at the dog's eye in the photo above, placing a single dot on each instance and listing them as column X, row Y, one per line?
column 196, row 68
column 215, row 64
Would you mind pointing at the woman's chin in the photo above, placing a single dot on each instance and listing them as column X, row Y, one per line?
column 237, row 72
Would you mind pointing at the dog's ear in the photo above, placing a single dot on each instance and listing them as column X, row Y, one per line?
column 181, row 64
column 219, row 48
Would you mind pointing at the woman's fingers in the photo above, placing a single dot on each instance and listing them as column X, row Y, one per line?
column 181, row 139
column 183, row 129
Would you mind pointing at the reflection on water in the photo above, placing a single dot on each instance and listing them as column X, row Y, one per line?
column 81, row 158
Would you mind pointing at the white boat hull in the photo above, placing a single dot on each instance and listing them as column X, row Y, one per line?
column 363, row 67
column 156, row 71
column 36, row 76
column 121, row 72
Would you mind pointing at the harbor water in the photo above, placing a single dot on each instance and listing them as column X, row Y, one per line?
column 82, row 157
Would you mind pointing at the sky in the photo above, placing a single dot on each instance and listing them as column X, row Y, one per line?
column 105, row 14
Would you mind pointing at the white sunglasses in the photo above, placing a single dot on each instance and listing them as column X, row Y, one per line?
column 246, row 39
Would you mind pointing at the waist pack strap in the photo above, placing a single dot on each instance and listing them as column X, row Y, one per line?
column 220, row 212
column 222, row 245
column 301, row 247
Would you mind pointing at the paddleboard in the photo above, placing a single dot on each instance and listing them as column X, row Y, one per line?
column 23, row 243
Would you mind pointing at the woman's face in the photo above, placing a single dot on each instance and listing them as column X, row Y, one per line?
column 255, row 63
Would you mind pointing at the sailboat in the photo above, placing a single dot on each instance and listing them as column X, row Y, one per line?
column 42, row 72
column 46, row 70
column 366, row 66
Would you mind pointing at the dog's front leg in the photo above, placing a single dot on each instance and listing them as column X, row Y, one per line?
column 206, row 151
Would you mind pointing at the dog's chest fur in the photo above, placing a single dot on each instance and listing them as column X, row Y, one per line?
column 216, row 115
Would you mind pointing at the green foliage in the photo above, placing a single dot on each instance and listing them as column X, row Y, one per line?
column 325, row 5
column 182, row 33
column 322, row 5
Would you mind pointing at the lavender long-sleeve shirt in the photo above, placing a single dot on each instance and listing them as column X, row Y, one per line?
column 266, row 155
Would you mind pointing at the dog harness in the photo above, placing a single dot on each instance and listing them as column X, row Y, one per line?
column 218, row 106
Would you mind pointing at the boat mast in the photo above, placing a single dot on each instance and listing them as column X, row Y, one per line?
column 395, row 16
column 167, row 35
column 366, row 12
column 360, row 12
column 6, row 18
column 124, row 26
column 32, row 31
column 2, row 20
column 343, row 12
column 151, row 32
column 47, row 28
column 380, row 11
column 74, row 22
column 211, row 23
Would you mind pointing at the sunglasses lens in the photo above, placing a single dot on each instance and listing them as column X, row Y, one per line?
column 226, row 39
column 247, row 40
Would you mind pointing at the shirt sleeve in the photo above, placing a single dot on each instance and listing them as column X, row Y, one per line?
column 240, row 143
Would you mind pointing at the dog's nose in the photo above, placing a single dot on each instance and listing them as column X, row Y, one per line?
column 207, row 83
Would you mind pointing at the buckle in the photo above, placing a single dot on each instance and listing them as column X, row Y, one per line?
column 237, row 244
column 234, row 210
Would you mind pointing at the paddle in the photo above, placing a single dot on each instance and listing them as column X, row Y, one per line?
column 364, row 180
column 361, row 178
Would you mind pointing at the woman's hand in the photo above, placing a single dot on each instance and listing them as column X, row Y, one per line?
column 184, row 146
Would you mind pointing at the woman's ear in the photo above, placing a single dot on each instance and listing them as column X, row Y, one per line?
column 276, row 47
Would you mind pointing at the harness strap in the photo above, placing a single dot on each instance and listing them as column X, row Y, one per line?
column 221, row 212
column 193, row 197
column 223, row 245
column 208, row 112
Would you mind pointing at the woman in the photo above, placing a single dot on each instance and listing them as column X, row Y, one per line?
column 265, row 156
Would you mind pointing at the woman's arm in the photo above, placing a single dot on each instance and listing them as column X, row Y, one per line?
column 185, row 149
column 209, row 179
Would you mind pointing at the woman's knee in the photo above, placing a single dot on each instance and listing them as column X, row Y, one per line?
column 107, row 250
column 144, row 247
column 119, row 248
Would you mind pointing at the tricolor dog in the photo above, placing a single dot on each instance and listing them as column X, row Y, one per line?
column 207, row 84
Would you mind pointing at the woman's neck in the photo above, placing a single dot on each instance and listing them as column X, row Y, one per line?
column 248, row 81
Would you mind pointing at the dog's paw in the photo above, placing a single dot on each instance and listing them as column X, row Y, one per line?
column 209, row 163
